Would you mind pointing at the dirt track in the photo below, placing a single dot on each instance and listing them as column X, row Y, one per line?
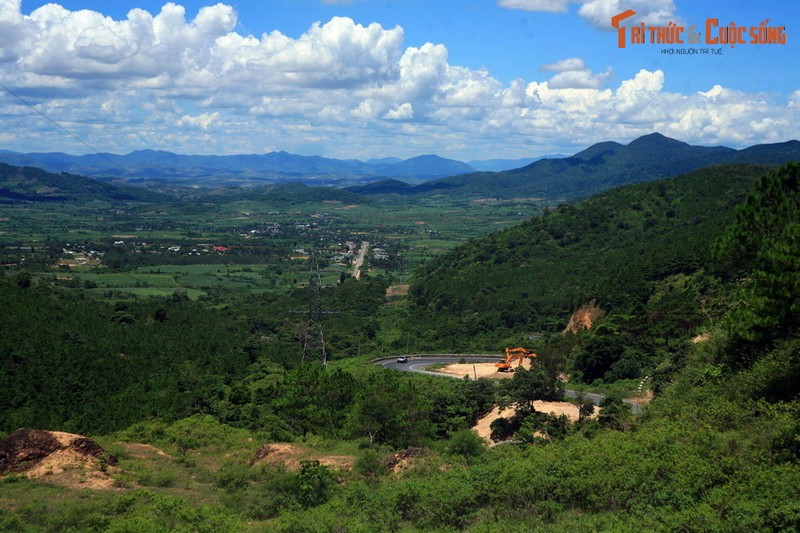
column 291, row 455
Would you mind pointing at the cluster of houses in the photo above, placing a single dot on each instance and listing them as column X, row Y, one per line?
column 78, row 256
column 344, row 255
column 196, row 249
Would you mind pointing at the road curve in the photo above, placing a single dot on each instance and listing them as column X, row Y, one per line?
column 418, row 363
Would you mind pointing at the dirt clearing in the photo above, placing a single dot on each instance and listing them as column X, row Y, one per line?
column 60, row 458
column 397, row 290
column 290, row 456
column 481, row 370
column 483, row 427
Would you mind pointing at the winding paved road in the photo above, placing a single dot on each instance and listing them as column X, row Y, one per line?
column 418, row 363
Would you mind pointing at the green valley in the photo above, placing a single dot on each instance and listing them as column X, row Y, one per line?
column 170, row 327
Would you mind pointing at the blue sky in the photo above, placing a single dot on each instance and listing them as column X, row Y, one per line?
column 374, row 78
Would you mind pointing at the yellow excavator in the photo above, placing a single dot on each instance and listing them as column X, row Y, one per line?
column 513, row 355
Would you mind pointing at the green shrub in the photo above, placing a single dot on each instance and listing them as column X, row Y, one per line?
column 233, row 476
column 313, row 484
column 465, row 443
column 11, row 522
column 157, row 478
column 370, row 463
column 202, row 430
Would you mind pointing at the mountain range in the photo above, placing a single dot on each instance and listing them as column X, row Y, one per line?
column 145, row 165
column 598, row 168
column 273, row 167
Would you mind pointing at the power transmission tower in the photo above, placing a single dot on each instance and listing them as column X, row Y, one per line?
column 313, row 338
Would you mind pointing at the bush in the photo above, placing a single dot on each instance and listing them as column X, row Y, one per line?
column 313, row 484
column 233, row 476
column 502, row 429
column 147, row 431
column 277, row 495
column 465, row 443
column 200, row 430
column 157, row 478
column 614, row 413
column 370, row 464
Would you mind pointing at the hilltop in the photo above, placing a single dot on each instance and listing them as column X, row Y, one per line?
column 598, row 168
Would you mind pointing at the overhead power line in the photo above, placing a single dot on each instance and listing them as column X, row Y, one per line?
column 65, row 130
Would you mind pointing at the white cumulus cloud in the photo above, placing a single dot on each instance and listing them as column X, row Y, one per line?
column 573, row 73
column 598, row 13
column 197, row 85
column 640, row 105
column 552, row 6
column 13, row 30
column 573, row 63
column 404, row 111
column 202, row 121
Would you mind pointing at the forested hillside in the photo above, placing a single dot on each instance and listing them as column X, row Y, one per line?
column 36, row 185
column 615, row 248
column 84, row 366
column 699, row 279
column 643, row 254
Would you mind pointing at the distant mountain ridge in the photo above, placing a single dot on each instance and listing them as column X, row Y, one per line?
column 598, row 168
column 236, row 169
column 499, row 165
